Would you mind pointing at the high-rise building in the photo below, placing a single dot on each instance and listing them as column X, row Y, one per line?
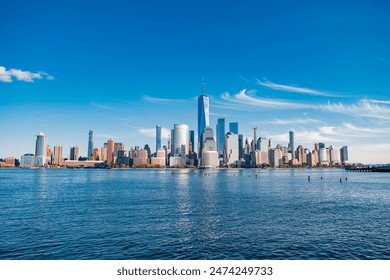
column 240, row 146
column 74, row 153
column 220, row 135
column 96, row 154
column 254, row 142
column 90, row 144
column 262, row 144
column 203, row 112
column 344, row 154
column 209, row 149
column 322, row 158
column 180, row 136
column 27, row 160
column 192, row 141
column 231, row 149
column 292, row 148
column 40, row 149
column 233, row 127
column 57, row 155
column 158, row 137
column 110, row 151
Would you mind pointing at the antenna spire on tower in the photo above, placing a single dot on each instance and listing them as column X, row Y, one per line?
column 202, row 86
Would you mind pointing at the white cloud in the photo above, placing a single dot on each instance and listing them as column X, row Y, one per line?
column 150, row 99
column 151, row 132
column 290, row 88
column 293, row 121
column 101, row 106
column 7, row 76
column 363, row 108
column 244, row 99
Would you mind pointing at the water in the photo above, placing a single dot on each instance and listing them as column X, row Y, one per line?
column 154, row 214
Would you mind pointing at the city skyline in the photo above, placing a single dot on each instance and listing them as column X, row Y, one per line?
column 320, row 70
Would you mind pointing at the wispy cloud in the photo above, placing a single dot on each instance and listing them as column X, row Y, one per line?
column 151, row 132
column 150, row 99
column 101, row 106
column 379, row 101
column 7, row 76
column 290, row 88
column 363, row 108
column 293, row 121
column 251, row 100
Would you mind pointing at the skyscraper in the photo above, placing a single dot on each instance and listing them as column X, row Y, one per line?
column 57, row 155
column 291, row 137
column 322, row 154
column 344, row 154
column 233, row 127
column 110, row 151
column 220, row 135
column 90, row 144
column 231, row 149
column 192, row 140
column 158, row 137
column 180, row 136
column 74, row 153
column 254, row 143
column 203, row 113
column 40, row 149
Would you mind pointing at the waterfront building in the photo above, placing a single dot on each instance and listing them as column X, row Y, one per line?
column 233, row 127
column 49, row 155
column 262, row 144
column 300, row 156
column 110, row 151
column 322, row 158
column 203, row 112
column 74, row 153
column 103, row 153
column 254, row 142
column 58, row 159
column 118, row 147
column 141, row 159
column 209, row 149
column 291, row 143
column 312, row 158
column 240, row 146
column 90, row 144
column 180, row 136
column 158, row 137
column 95, row 154
column 8, row 162
column 175, row 161
column 27, row 160
column 122, row 160
column 192, row 141
column 275, row 157
column 40, row 149
column 344, row 155
column 220, row 131
column 270, row 143
column 334, row 156
column 159, row 159
column 231, row 149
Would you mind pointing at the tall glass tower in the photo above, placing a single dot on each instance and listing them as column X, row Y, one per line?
column 203, row 112
column 291, row 134
column 220, row 135
column 90, row 144
column 158, row 137
column 40, row 149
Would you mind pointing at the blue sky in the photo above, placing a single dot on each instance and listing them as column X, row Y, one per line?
column 120, row 68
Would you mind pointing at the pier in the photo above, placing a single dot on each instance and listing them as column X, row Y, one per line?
column 368, row 169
